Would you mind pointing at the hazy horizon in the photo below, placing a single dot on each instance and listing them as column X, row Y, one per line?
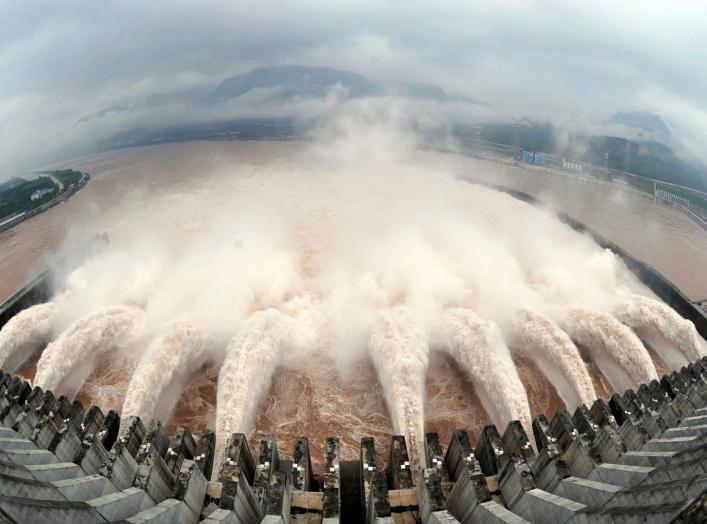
column 74, row 73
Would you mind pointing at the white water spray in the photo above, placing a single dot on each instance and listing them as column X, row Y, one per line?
column 77, row 351
column 25, row 335
column 170, row 359
column 674, row 338
column 331, row 226
column 616, row 350
column 400, row 354
column 557, row 357
column 245, row 375
column 478, row 346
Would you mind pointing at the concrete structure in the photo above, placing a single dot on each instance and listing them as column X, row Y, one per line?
column 40, row 193
column 640, row 457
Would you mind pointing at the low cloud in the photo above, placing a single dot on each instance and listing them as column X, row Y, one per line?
column 575, row 63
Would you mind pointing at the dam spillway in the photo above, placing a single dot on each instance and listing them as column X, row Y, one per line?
column 636, row 457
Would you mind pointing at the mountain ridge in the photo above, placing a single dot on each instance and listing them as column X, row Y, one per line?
column 287, row 82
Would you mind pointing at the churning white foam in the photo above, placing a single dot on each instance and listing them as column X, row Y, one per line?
column 674, row 338
column 400, row 354
column 70, row 359
column 26, row 334
column 389, row 250
column 617, row 351
column 557, row 357
column 478, row 346
column 245, row 375
column 175, row 354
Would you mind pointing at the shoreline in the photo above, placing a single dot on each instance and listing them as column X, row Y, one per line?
column 61, row 197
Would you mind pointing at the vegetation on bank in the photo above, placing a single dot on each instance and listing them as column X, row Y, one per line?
column 644, row 161
column 647, row 159
column 19, row 195
column 643, row 157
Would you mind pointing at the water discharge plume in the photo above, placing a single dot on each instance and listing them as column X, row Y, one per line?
column 26, row 334
column 386, row 241
column 245, row 375
column 674, row 338
column 400, row 354
column 74, row 355
column 616, row 350
column 171, row 358
column 478, row 347
column 557, row 356
column 108, row 384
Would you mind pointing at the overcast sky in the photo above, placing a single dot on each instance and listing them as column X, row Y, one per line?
column 572, row 62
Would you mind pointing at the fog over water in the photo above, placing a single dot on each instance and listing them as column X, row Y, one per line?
column 347, row 285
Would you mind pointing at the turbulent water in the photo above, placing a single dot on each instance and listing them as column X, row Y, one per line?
column 311, row 282
column 167, row 363
column 557, row 357
column 80, row 347
column 674, row 338
column 400, row 354
column 251, row 359
column 479, row 348
column 25, row 335
column 617, row 350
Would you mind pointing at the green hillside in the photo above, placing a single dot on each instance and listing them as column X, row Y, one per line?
column 645, row 158
column 648, row 159
column 16, row 193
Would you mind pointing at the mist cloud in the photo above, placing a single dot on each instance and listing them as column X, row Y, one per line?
column 352, row 247
column 573, row 64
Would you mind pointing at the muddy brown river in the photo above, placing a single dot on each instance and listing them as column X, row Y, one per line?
column 313, row 399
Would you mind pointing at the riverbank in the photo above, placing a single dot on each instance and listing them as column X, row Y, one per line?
column 61, row 197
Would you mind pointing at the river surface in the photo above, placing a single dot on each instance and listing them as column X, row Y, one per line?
column 311, row 398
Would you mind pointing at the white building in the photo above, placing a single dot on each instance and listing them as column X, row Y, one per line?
column 40, row 193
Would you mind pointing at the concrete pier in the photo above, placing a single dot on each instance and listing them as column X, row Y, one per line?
column 331, row 486
column 236, row 478
column 302, row 479
column 641, row 456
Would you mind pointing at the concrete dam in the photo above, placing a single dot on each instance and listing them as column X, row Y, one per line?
column 98, row 362
column 640, row 457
